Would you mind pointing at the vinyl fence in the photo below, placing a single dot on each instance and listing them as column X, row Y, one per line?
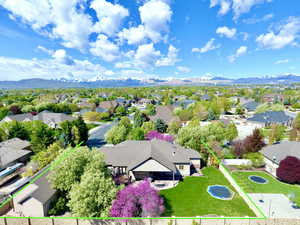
column 51, row 221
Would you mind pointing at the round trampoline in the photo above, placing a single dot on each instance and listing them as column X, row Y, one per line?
column 258, row 179
column 220, row 192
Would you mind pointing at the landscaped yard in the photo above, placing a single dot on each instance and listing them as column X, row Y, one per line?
column 190, row 198
column 273, row 186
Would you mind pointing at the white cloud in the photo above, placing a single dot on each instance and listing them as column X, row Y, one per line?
column 146, row 55
column 182, row 69
column 133, row 35
column 243, row 6
column 132, row 73
column 258, row 20
column 155, row 18
column 59, row 55
column 226, row 31
column 105, row 49
column 170, row 59
column 110, row 16
column 281, row 61
column 224, row 5
column 68, row 22
column 123, row 65
column 245, row 36
column 285, row 35
column 46, row 68
column 238, row 7
column 239, row 52
column 209, row 46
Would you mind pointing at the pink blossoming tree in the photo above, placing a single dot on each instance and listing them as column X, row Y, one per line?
column 139, row 200
column 153, row 134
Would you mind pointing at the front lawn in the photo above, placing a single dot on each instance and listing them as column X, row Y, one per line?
column 273, row 186
column 190, row 198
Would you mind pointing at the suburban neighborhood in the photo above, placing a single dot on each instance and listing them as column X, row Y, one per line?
column 149, row 112
column 192, row 156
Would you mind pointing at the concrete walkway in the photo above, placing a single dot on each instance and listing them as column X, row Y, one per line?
column 275, row 206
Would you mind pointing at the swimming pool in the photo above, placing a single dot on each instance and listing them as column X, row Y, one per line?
column 258, row 179
column 220, row 192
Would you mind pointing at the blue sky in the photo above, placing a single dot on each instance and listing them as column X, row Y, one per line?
column 86, row 39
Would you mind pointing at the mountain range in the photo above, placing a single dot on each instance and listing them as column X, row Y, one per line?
column 129, row 82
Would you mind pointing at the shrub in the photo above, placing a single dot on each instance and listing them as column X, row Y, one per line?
column 289, row 170
column 256, row 158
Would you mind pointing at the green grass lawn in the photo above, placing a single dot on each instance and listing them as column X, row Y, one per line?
column 190, row 198
column 273, row 186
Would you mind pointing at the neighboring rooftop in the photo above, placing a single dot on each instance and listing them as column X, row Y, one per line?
column 164, row 113
column 251, row 106
column 278, row 152
column 271, row 117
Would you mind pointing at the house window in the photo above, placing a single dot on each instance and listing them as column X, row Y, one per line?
column 181, row 167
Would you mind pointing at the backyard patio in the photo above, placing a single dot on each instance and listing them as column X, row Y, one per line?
column 190, row 198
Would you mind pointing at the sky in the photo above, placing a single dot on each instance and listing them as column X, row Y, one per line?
column 92, row 39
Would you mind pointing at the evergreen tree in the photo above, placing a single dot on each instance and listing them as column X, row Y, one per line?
column 160, row 126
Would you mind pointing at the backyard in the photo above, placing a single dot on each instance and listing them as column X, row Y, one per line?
column 190, row 198
column 273, row 186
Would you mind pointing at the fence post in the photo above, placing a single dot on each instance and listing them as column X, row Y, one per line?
column 29, row 221
column 77, row 222
column 52, row 221
column 5, row 221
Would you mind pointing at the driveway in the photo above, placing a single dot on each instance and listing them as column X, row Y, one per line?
column 275, row 206
column 97, row 135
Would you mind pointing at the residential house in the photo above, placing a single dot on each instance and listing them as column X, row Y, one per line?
column 108, row 105
column 205, row 97
column 13, row 151
column 273, row 98
column 183, row 103
column 251, row 106
column 274, row 154
column 25, row 117
column 156, row 159
column 51, row 119
column 164, row 113
column 271, row 117
column 35, row 199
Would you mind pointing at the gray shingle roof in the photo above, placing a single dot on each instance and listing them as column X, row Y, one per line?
column 45, row 116
column 251, row 106
column 278, row 152
column 12, row 150
column 16, row 143
column 130, row 154
column 21, row 117
column 48, row 117
column 271, row 117
column 183, row 103
column 44, row 192
column 165, row 113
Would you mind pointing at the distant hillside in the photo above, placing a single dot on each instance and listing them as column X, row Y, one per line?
column 44, row 83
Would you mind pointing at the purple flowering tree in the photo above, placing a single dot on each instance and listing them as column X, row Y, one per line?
column 153, row 134
column 139, row 200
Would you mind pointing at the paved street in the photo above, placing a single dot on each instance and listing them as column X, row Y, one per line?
column 97, row 135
